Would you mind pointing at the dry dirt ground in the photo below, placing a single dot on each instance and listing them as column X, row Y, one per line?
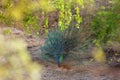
column 85, row 71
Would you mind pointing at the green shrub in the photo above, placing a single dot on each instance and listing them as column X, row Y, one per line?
column 106, row 25
column 68, row 11
column 24, row 12
column 106, row 28
column 31, row 23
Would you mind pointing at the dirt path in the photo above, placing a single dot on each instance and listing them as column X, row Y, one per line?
column 93, row 72
column 86, row 71
column 89, row 71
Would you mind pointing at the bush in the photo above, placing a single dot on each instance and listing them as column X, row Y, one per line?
column 106, row 25
column 27, row 13
column 106, row 28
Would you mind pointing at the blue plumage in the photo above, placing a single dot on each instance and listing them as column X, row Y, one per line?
column 54, row 45
column 59, row 43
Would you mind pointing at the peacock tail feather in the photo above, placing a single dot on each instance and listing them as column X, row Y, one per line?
column 59, row 44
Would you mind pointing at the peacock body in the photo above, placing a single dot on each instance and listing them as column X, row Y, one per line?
column 59, row 44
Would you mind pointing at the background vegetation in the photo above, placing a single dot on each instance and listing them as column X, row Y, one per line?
column 34, row 16
column 106, row 25
column 38, row 16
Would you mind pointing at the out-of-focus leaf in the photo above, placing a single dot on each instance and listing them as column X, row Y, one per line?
column 15, row 62
column 99, row 55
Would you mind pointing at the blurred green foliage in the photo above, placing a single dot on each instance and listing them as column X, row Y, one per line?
column 25, row 13
column 7, row 31
column 31, row 23
column 105, row 25
column 68, row 11
column 106, row 28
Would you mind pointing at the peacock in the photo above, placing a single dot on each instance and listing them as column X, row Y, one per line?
column 60, row 43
